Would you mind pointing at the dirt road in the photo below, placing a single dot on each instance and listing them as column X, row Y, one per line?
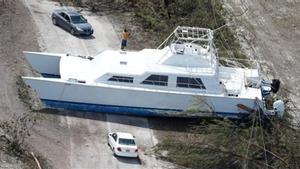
column 272, row 31
column 77, row 140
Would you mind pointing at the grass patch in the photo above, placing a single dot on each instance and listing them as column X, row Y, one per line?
column 13, row 134
column 23, row 92
column 161, row 17
column 259, row 143
column 70, row 2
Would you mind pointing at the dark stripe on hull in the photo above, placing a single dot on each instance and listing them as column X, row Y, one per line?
column 50, row 75
column 126, row 110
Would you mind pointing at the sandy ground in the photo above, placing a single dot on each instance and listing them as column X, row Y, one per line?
column 11, row 64
column 12, row 28
column 271, row 30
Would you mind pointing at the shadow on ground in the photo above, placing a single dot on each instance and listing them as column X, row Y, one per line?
column 157, row 123
column 128, row 160
column 86, row 37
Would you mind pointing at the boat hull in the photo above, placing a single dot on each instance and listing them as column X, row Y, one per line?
column 134, row 101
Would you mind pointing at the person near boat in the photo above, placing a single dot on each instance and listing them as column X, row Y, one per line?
column 125, row 36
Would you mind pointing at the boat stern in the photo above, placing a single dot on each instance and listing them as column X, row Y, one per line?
column 47, row 64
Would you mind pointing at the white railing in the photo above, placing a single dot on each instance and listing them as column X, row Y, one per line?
column 188, row 34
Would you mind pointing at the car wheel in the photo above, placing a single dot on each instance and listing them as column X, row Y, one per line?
column 72, row 31
column 54, row 21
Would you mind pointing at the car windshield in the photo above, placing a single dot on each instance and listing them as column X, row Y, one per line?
column 78, row 19
column 124, row 141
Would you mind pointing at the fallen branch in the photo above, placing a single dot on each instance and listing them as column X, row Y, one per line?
column 36, row 160
column 273, row 154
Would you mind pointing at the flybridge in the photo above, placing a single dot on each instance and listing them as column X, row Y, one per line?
column 188, row 34
column 192, row 48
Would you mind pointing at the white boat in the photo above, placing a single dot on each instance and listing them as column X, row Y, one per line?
column 184, row 78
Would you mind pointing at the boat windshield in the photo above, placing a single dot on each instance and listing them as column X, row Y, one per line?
column 124, row 141
column 78, row 19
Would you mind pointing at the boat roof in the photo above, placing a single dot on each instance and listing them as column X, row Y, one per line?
column 131, row 63
column 190, row 53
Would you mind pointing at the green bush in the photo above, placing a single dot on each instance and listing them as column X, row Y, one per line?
column 162, row 16
column 262, row 142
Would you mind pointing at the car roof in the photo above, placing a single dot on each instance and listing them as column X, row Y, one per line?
column 125, row 135
column 71, row 13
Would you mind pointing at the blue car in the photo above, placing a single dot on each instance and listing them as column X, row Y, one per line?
column 72, row 21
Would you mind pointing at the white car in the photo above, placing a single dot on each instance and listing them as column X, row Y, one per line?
column 123, row 144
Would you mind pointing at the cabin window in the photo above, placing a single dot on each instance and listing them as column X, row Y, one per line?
column 121, row 79
column 159, row 80
column 188, row 82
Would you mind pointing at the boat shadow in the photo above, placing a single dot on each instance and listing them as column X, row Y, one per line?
column 158, row 123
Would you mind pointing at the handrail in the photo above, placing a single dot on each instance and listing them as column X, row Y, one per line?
column 191, row 34
column 167, row 39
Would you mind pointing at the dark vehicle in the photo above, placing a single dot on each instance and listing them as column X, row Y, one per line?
column 72, row 21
